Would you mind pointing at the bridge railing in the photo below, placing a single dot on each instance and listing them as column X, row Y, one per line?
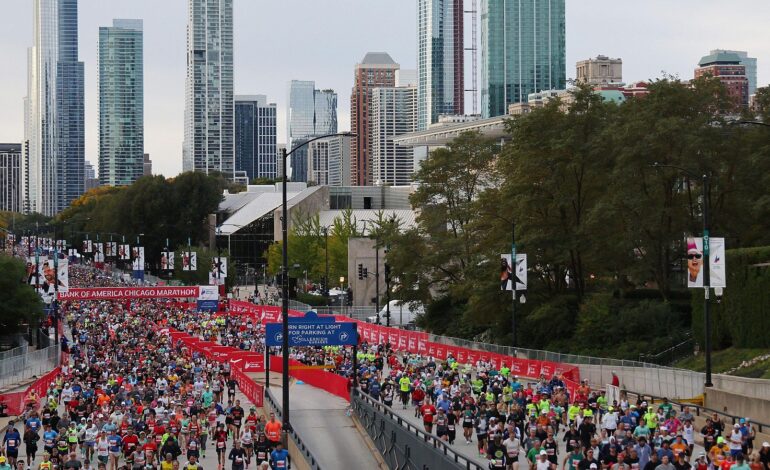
column 402, row 444
column 301, row 447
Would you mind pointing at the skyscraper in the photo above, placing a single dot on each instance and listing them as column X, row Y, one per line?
column 209, row 108
column 10, row 177
column 54, row 110
column 255, row 132
column 121, row 103
column 376, row 70
column 751, row 67
column 311, row 113
column 522, row 51
column 440, row 64
column 394, row 112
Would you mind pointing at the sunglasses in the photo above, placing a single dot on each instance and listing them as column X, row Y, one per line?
column 695, row 256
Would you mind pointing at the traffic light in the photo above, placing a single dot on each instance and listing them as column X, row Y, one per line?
column 360, row 271
column 366, row 272
column 387, row 273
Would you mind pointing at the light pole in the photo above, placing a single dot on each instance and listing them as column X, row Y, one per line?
column 285, row 275
column 706, row 273
column 326, row 254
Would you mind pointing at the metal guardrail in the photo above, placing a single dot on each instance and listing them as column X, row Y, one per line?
column 402, row 444
column 307, row 454
column 650, row 399
column 16, row 369
column 18, row 351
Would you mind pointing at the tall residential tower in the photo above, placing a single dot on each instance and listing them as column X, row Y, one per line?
column 311, row 113
column 440, row 64
column 522, row 51
column 54, row 110
column 209, row 107
column 255, row 132
column 121, row 103
column 376, row 70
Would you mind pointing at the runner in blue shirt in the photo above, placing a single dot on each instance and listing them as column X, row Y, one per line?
column 49, row 439
column 11, row 442
column 115, row 445
column 279, row 458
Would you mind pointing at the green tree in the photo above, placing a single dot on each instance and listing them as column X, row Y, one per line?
column 19, row 303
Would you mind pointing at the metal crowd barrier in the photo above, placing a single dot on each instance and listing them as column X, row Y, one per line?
column 402, row 444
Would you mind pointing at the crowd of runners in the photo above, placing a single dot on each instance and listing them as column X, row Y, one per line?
column 128, row 398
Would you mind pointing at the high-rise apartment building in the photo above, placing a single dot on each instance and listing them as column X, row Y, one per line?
column 440, row 64
column 318, row 162
column 727, row 67
column 209, row 107
column 311, row 113
column 255, row 134
column 121, row 102
column 54, row 109
column 751, row 67
column 339, row 160
column 147, row 165
column 91, row 181
column 394, row 112
column 376, row 70
column 600, row 70
column 522, row 51
column 11, row 183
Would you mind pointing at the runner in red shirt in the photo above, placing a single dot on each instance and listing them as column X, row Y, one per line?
column 418, row 395
column 428, row 412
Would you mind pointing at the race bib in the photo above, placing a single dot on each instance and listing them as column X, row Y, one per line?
column 220, row 445
column 260, row 455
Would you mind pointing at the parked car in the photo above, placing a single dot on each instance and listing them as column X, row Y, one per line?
column 402, row 314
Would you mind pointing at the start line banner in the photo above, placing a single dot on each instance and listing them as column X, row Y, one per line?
column 115, row 293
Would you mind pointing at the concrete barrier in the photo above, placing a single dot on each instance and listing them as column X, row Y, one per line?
column 738, row 404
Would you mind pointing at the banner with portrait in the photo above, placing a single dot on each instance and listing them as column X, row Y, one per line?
column 167, row 260
column 508, row 272
column 98, row 252
column 189, row 261
column 218, row 271
column 42, row 275
column 88, row 246
column 124, row 252
column 111, row 249
column 137, row 255
column 717, row 266
column 61, row 245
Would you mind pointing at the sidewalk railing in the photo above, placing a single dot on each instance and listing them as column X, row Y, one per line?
column 292, row 433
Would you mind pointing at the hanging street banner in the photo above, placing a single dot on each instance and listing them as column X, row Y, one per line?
column 88, row 246
column 167, row 261
column 218, row 272
column 717, row 267
column 312, row 330
column 138, row 258
column 113, row 293
column 110, row 249
column 98, row 253
column 189, row 261
column 508, row 272
column 124, row 253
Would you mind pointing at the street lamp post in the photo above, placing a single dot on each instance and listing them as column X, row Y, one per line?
column 326, row 254
column 706, row 273
column 285, row 275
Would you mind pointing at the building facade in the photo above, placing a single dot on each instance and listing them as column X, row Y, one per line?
column 318, row 162
column 147, row 165
column 339, row 160
column 209, row 106
column 600, row 70
column 91, row 180
column 727, row 67
column 11, row 181
column 121, row 102
column 54, row 110
column 751, row 67
column 255, row 136
column 311, row 113
column 377, row 69
column 394, row 113
column 522, row 51
column 440, row 60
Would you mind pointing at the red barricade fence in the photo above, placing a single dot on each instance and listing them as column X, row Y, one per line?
column 328, row 381
column 15, row 401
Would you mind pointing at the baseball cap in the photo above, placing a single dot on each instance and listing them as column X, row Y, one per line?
column 593, row 465
column 542, row 452
column 766, row 444
column 2, row 458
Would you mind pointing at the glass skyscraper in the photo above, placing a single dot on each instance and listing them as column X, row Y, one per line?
column 311, row 113
column 255, row 136
column 54, row 110
column 522, row 51
column 209, row 106
column 121, row 103
column 440, row 84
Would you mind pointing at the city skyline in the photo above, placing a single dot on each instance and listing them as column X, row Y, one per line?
column 593, row 28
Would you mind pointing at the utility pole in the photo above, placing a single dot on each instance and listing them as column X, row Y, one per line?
column 377, row 274
column 513, row 284
column 706, row 278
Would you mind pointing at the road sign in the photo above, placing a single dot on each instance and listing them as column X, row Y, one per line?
column 312, row 330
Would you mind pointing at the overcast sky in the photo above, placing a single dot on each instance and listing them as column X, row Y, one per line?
column 280, row 40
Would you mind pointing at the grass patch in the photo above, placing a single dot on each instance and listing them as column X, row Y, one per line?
column 726, row 359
